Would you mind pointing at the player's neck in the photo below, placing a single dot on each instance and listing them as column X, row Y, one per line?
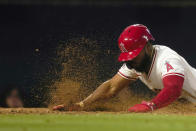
column 150, row 60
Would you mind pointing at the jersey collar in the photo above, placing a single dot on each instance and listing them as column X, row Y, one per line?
column 152, row 63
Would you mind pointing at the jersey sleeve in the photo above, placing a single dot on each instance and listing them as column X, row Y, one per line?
column 127, row 73
column 172, row 66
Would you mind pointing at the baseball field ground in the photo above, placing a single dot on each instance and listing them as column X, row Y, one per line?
column 44, row 119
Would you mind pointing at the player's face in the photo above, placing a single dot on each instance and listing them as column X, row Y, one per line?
column 139, row 62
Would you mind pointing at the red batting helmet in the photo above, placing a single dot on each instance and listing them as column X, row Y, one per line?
column 132, row 40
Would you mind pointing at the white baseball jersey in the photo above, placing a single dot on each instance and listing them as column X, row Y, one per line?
column 165, row 62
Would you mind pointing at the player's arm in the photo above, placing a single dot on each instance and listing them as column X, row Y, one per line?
column 106, row 90
column 172, row 79
column 172, row 90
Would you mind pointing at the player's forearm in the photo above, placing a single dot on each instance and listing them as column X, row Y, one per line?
column 104, row 91
column 171, row 91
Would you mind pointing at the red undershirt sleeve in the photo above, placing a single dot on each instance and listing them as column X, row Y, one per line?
column 172, row 90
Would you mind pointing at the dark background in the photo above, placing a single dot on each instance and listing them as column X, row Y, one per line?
column 27, row 26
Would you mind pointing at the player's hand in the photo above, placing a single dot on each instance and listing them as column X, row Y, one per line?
column 59, row 107
column 143, row 107
column 71, row 107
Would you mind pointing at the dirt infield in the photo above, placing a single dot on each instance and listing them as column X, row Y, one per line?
column 174, row 109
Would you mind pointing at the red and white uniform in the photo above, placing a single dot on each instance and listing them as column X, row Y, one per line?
column 166, row 62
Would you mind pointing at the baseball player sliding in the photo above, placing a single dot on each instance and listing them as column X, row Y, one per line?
column 159, row 67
